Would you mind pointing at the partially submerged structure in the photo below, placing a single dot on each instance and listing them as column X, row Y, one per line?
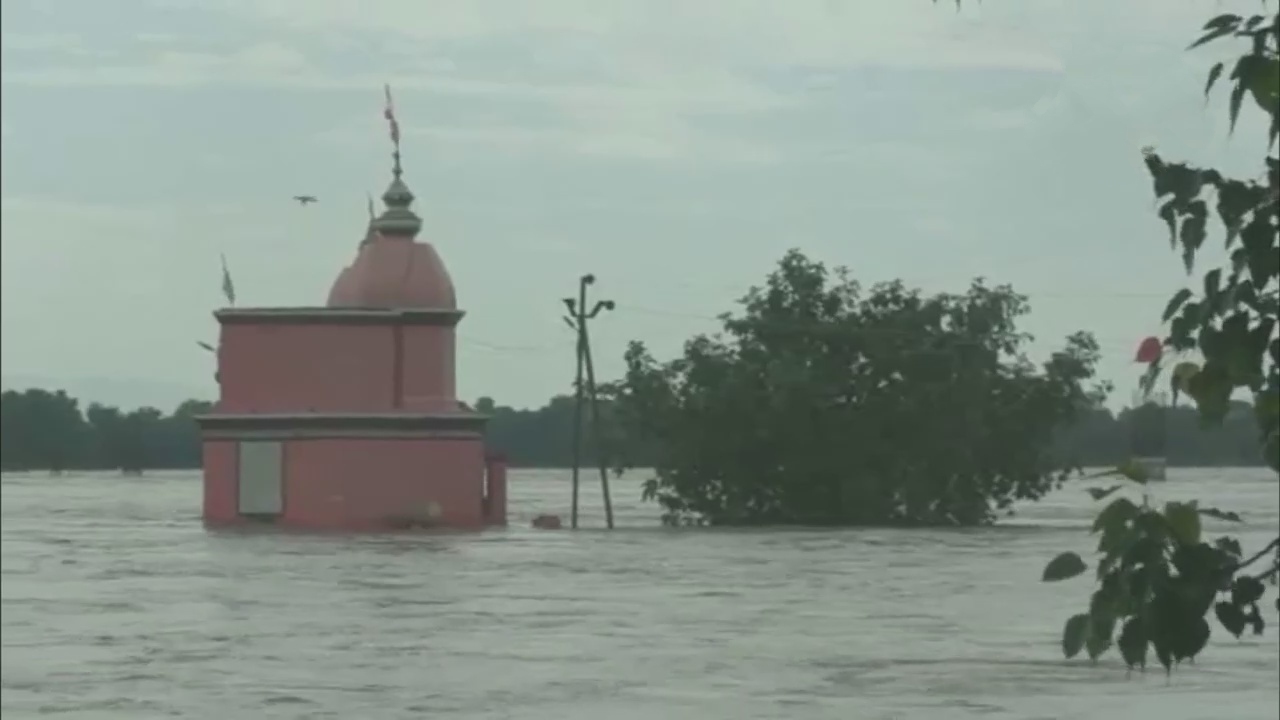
column 345, row 416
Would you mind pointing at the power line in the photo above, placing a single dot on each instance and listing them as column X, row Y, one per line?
column 743, row 288
column 1110, row 345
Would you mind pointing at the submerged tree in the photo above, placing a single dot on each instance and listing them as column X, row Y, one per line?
column 824, row 404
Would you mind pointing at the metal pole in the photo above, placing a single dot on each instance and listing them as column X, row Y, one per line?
column 595, row 426
column 580, row 321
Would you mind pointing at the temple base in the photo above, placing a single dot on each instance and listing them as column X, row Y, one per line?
column 353, row 472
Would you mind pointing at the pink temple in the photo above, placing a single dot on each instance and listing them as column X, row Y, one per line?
column 345, row 417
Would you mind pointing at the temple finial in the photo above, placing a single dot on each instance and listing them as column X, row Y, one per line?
column 398, row 219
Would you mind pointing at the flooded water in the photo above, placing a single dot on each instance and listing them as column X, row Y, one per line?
column 118, row 604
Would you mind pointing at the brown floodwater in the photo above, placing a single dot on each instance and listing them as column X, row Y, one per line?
column 119, row 605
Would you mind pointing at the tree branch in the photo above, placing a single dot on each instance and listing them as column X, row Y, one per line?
column 1270, row 572
column 1255, row 558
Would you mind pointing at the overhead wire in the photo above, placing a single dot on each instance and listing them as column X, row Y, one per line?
column 1108, row 345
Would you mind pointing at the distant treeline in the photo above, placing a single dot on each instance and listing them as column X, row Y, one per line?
column 48, row 430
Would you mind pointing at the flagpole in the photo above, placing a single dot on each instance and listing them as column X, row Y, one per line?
column 389, row 112
column 228, row 287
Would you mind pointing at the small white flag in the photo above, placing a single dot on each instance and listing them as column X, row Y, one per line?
column 228, row 288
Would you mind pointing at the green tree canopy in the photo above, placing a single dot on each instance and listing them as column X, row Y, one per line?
column 822, row 403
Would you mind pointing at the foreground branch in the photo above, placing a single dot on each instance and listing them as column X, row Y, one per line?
column 1259, row 555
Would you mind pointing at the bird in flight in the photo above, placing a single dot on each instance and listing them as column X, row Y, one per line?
column 304, row 200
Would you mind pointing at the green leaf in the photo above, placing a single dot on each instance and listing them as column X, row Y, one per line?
column 1115, row 514
column 1264, row 83
column 1177, row 628
column 1246, row 590
column 1133, row 643
column 1239, row 258
column 1212, row 288
column 1100, row 493
column 1067, row 565
column 1175, row 304
column 1098, row 639
column 1192, row 234
column 1258, row 238
column 1229, row 545
column 1241, row 351
column 1225, row 21
column 1231, row 618
column 1102, row 616
column 1232, row 208
column 1257, row 341
column 1214, row 73
column 1233, row 104
column 1180, row 327
column 1254, row 619
column 1074, row 632
column 1210, row 37
column 1169, row 214
column 1146, row 550
column 1200, row 569
column 1113, row 544
column 1211, row 388
column 1180, row 378
column 1184, row 521
column 1193, row 635
column 1217, row 514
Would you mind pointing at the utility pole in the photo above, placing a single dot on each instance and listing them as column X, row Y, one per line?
column 577, row 320
column 595, row 423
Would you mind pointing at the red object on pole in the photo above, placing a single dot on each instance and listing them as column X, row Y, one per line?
column 1149, row 350
column 389, row 112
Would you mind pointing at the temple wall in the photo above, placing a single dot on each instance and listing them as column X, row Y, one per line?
column 427, row 369
column 358, row 483
column 279, row 368
column 310, row 367
column 220, row 476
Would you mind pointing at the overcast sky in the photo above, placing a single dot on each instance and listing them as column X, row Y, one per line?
column 675, row 149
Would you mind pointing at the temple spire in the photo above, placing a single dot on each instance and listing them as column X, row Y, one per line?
column 398, row 220
column 389, row 112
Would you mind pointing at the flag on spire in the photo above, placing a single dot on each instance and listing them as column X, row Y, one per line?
column 372, row 215
column 228, row 288
column 389, row 112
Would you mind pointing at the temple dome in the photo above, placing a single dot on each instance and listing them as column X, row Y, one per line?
column 392, row 269
column 341, row 292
